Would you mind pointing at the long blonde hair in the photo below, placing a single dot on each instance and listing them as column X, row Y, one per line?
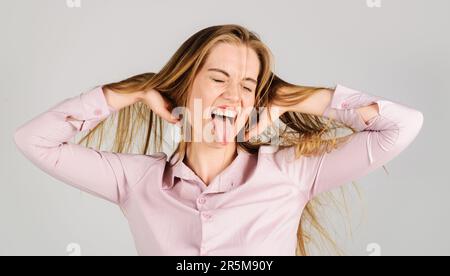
column 304, row 131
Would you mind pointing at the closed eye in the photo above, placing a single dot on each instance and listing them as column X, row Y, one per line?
column 221, row 81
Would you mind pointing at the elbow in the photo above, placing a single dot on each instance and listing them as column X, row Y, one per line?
column 19, row 138
column 419, row 120
column 22, row 139
column 416, row 123
column 411, row 129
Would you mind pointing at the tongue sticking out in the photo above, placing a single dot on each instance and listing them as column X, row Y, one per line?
column 222, row 129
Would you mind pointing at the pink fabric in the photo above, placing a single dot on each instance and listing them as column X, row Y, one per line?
column 252, row 208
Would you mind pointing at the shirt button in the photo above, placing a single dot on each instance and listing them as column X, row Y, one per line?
column 206, row 216
column 344, row 105
column 201, row 200
column 97, row 112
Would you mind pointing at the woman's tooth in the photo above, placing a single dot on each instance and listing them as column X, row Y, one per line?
column 221, row 114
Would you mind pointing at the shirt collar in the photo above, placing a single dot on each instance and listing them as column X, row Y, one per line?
column 227, row 180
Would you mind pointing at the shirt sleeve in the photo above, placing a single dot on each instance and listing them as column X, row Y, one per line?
column 44, row 140
column 374, row 143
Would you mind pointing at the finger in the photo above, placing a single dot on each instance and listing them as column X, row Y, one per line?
column 167, row 115
column 241, row 120
column 260, row 126
column 168, row 111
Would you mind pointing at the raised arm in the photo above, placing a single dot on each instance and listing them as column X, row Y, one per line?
column 384, row 129
column 44, row 140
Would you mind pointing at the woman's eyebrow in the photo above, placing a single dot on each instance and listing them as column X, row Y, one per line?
column 228, row 75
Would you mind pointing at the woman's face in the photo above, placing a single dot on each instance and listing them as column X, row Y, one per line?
column 223, row 94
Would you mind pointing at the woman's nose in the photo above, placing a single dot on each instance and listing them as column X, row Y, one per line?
column 232, row 93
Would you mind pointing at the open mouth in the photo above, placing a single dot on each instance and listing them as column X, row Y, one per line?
column 224, row 124
column 224, row 114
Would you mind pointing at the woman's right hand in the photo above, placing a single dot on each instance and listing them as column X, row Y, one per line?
column 159, row 104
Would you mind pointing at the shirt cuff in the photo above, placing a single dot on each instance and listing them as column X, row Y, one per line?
column 87, row 110
column 344, row 103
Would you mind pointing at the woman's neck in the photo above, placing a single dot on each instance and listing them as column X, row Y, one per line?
column 207, row 161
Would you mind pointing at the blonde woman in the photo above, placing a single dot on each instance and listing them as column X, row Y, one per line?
column 224, row 190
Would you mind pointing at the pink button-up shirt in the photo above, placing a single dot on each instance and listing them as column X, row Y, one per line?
column 253, row 207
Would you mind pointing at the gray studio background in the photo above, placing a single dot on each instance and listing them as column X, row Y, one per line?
column 400, row 50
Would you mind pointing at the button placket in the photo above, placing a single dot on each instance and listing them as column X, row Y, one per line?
column 203, row 250
column 201, row 203
column 206, row 216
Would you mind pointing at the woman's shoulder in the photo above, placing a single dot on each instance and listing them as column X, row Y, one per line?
column 138, row 158
column 278, row 154
column 275, row 149
column 135, row 164
column 286, row 155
